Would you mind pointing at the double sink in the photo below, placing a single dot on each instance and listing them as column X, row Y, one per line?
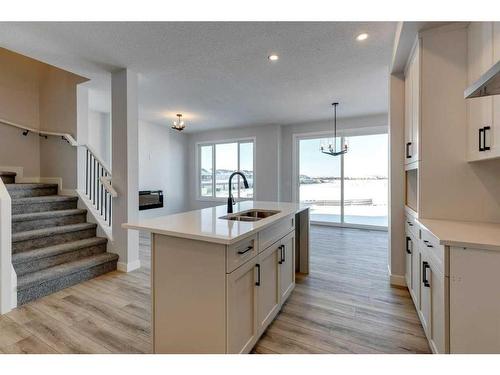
column 250, row 215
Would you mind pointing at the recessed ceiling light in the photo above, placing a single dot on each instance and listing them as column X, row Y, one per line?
column 362, row 36
column 273, row 57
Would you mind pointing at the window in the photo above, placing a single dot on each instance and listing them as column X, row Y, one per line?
column 216, row 163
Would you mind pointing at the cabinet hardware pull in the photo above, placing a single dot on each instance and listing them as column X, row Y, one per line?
column 425, row 267
column 426, row 241
column 246, row 250
column 283, row 253
column 429, row 245
column 408, row 240
column 258, row 275
column 481, row 133
column 281, row 247
column 408, row 144
column 485, row 148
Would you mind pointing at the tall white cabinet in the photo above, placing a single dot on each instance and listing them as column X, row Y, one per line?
column 483, row 114
column 412, row 106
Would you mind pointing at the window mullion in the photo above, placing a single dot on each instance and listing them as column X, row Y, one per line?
column 213, row 171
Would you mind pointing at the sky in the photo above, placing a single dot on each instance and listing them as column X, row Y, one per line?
column 367, row 156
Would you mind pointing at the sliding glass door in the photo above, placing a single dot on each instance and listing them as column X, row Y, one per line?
column 320, row 181
column 351, row 189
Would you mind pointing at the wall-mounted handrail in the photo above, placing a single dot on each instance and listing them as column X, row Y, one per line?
column 27, row 129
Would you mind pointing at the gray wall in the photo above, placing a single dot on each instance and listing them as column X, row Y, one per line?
column 163, row 165
column 267, row 168
column 274, row 153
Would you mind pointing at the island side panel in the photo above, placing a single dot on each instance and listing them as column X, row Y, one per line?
column 189, row 296
column 302, row 227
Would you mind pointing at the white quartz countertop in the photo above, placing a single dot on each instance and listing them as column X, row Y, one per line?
column 464, row 234
column 206, row 224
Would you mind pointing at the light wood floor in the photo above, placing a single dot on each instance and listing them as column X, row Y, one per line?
column 344, row 306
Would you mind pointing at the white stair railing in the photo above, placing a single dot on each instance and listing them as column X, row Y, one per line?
column 98, row 188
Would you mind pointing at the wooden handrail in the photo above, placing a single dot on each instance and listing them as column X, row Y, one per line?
column 106, row 182
column 66, row 136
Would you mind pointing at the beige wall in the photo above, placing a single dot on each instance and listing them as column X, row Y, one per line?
column 19, row 86
column 38, row 96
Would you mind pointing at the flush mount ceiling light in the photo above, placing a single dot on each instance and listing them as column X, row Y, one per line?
column 179, row 123
column 331, row 147
column 273, row 57
column 361, row 37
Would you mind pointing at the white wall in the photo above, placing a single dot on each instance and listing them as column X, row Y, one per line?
column 267, row 168
column 163, row 165
column 99, row 135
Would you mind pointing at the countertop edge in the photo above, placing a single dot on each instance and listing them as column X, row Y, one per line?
column 212, row 238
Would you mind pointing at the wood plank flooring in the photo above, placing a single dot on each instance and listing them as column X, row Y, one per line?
column 344, row 306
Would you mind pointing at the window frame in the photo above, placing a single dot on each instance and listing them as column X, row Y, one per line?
column 213, row 198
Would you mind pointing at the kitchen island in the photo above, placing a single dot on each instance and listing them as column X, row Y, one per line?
column 219, row 280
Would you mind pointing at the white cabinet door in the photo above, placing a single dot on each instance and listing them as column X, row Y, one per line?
column 415, row 107
column 242, row 329
column 426, row 294
column 287, row 266
column 412, row 106
column 415, row 273
column 481, row 133
column 268, row 285
column 439, row 332
column 474, row 301
column 408, row 268
column 408, row 115
column 495, row 136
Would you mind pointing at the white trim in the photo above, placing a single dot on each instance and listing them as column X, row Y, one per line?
column 8, row 277
column 198, row 166
column 396, row 280
column 128, row 267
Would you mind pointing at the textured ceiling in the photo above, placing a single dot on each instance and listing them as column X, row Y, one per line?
column 218, row 74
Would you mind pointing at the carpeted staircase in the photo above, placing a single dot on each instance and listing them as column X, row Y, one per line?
column 53, row 246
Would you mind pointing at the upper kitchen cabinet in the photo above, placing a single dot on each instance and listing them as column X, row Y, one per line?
column 412, row 106
column 483, row 114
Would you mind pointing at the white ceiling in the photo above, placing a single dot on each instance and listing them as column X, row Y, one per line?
column 218, row 74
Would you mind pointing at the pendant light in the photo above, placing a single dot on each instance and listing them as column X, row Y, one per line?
column 331, row 149
column 179, row 123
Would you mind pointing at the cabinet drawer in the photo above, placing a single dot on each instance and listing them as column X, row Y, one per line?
column 276, row 232
column 240, row 253
column 411, row 226
column 435, row 251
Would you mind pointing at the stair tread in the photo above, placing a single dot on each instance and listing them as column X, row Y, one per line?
column 61, row 270
column 49, row 251
column 43, row 199
column 45, row 232
column 47, row 214
column 23, row 186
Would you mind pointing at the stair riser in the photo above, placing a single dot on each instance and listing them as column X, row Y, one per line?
column 8, row 179
column 52, row 240
column 22, row 226
column 52, row 286
column 43, row 263
column 42, row 207
column 26, row 193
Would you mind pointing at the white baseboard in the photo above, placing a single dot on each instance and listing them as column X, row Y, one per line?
column 128, row 267
column 396, row 280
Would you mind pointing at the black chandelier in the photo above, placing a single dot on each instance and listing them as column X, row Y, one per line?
column 331, row 148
